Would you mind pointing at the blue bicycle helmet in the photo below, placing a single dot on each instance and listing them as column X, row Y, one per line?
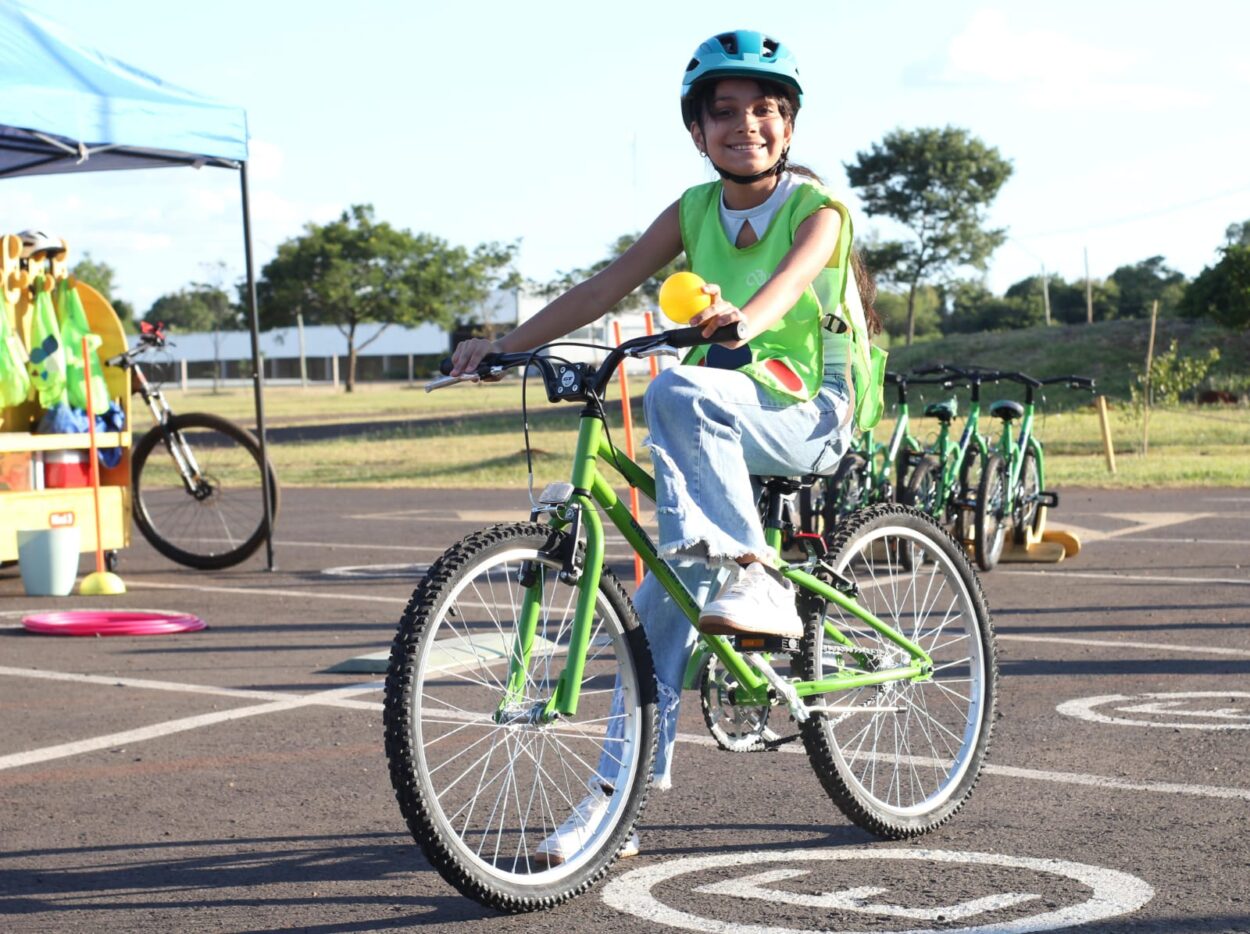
column 743, row 53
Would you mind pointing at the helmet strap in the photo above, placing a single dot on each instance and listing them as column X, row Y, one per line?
column 775, row 169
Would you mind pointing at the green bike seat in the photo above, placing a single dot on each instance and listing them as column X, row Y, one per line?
column 1007, row 410
column 944, row 411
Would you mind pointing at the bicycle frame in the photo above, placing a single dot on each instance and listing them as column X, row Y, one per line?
column 1011, row 448
column 952, row 454
column 591, row 490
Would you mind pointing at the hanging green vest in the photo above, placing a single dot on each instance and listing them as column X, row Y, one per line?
column 788, row 358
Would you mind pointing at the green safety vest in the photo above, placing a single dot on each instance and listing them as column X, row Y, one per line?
column 788, row 358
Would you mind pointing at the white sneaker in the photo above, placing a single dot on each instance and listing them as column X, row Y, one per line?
column 754, row 602
column 571, row 836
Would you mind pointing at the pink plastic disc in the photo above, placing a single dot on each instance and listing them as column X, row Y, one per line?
column 111, row 623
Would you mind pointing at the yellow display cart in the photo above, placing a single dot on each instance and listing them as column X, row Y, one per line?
column 22, row 509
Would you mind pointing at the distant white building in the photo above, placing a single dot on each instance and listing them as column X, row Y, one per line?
column 397, row 353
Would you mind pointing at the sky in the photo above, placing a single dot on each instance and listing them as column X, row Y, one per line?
column 556, row 124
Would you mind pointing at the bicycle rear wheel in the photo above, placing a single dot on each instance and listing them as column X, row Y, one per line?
column 482, row 782
column 208, row 511
column 991, row 527
column 901, row 758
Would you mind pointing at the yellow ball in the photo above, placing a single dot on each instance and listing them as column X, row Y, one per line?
column 682, row 297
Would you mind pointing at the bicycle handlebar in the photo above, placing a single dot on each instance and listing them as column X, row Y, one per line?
column 1074, row 382
column 593, row 380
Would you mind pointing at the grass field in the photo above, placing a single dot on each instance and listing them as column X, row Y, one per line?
column 471, row 436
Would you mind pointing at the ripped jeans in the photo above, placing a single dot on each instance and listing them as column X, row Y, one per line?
column 710, row 431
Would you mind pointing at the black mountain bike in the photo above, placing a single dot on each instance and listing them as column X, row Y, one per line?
column 196, row 478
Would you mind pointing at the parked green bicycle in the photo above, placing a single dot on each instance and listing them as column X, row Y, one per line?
column 944, row 482
column 1012, row 487
column 873, row 472
column 520, row 664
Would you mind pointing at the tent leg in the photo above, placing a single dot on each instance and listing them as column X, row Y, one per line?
column 258, row 376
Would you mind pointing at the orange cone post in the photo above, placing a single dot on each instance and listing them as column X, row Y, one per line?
column 629, row 445
column 101, row 581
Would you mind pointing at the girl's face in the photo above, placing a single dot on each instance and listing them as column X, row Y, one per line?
column 743, row 131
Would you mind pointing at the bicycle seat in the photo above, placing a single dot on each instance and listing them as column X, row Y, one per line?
column 944, row 411
column 1007, row 410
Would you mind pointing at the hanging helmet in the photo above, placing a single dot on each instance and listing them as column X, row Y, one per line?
column 743, row 53
column 36, row 241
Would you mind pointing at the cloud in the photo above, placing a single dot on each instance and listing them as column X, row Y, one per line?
column 1050, row 70
column 264, row 160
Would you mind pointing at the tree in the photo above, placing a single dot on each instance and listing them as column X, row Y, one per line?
column 199, row 307
column 892, row 309
column 1067, row 299
column 1237, row 234
column 975, row 309
column 1222, row 292
column 1144, row 283
column 357, row 269
column 100, row 277
column 940, row 184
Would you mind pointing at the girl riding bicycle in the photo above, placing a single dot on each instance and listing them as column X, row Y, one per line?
column 774, row 247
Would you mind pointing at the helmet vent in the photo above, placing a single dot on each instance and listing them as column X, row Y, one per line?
column 694, row 63
column 729, row 42
column 770, row 48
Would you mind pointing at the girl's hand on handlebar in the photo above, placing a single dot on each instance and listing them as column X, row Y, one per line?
column 468, row 354
column 717, row 315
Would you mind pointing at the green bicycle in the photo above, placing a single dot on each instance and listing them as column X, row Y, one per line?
column 873, row 472
column 1012, row 486
column 944, row 482
column 520, row 672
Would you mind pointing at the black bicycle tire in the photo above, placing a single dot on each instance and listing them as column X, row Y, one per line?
column 402, row 679
column 853, row 465
column 927, row 468
column 963, row 527
column 987, row 553
column 841, row 789
column 154, row 440
column 1029, row 523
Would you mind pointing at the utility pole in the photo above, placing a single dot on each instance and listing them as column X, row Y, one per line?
column 303, row 363
column 1046, row 294
column 1089, row 292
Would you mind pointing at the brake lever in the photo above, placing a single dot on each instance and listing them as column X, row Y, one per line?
column 444, row 381
column 660, row 350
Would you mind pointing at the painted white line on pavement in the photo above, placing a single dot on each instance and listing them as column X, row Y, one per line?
column 1177, row 648
column 1188, row 541
column 1044, row 775
column 1134, row 578
column 262, row 592
column 341, row 697
column 178, row 726
column 146, row 684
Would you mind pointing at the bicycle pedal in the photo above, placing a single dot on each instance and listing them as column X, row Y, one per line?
column 753, row 643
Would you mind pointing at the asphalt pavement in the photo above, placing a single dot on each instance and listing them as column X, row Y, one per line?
column 234, row 779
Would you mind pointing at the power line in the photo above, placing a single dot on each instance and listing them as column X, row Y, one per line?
column 1145, row 215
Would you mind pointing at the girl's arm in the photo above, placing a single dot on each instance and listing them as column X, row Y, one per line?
column 587, row 301
column 814, row 243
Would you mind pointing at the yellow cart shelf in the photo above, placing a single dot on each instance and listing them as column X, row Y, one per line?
column 57, row 507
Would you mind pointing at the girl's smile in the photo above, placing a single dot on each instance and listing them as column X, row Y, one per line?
column 742, row 130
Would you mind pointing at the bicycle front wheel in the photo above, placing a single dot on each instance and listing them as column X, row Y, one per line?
column 197, row 495
column 482, row 779
column 901, row 758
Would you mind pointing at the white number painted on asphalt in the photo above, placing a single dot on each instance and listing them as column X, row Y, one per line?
column 1112, row 893
column 856, row 899
column 1176, row 711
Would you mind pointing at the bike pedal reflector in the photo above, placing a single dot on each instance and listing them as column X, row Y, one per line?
column 746, row 643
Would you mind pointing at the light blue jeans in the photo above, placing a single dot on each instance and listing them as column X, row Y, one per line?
column 711, row 430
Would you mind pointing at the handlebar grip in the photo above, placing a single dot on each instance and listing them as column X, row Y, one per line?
column 936, row 368
column 444, row 366
column 693, row 337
